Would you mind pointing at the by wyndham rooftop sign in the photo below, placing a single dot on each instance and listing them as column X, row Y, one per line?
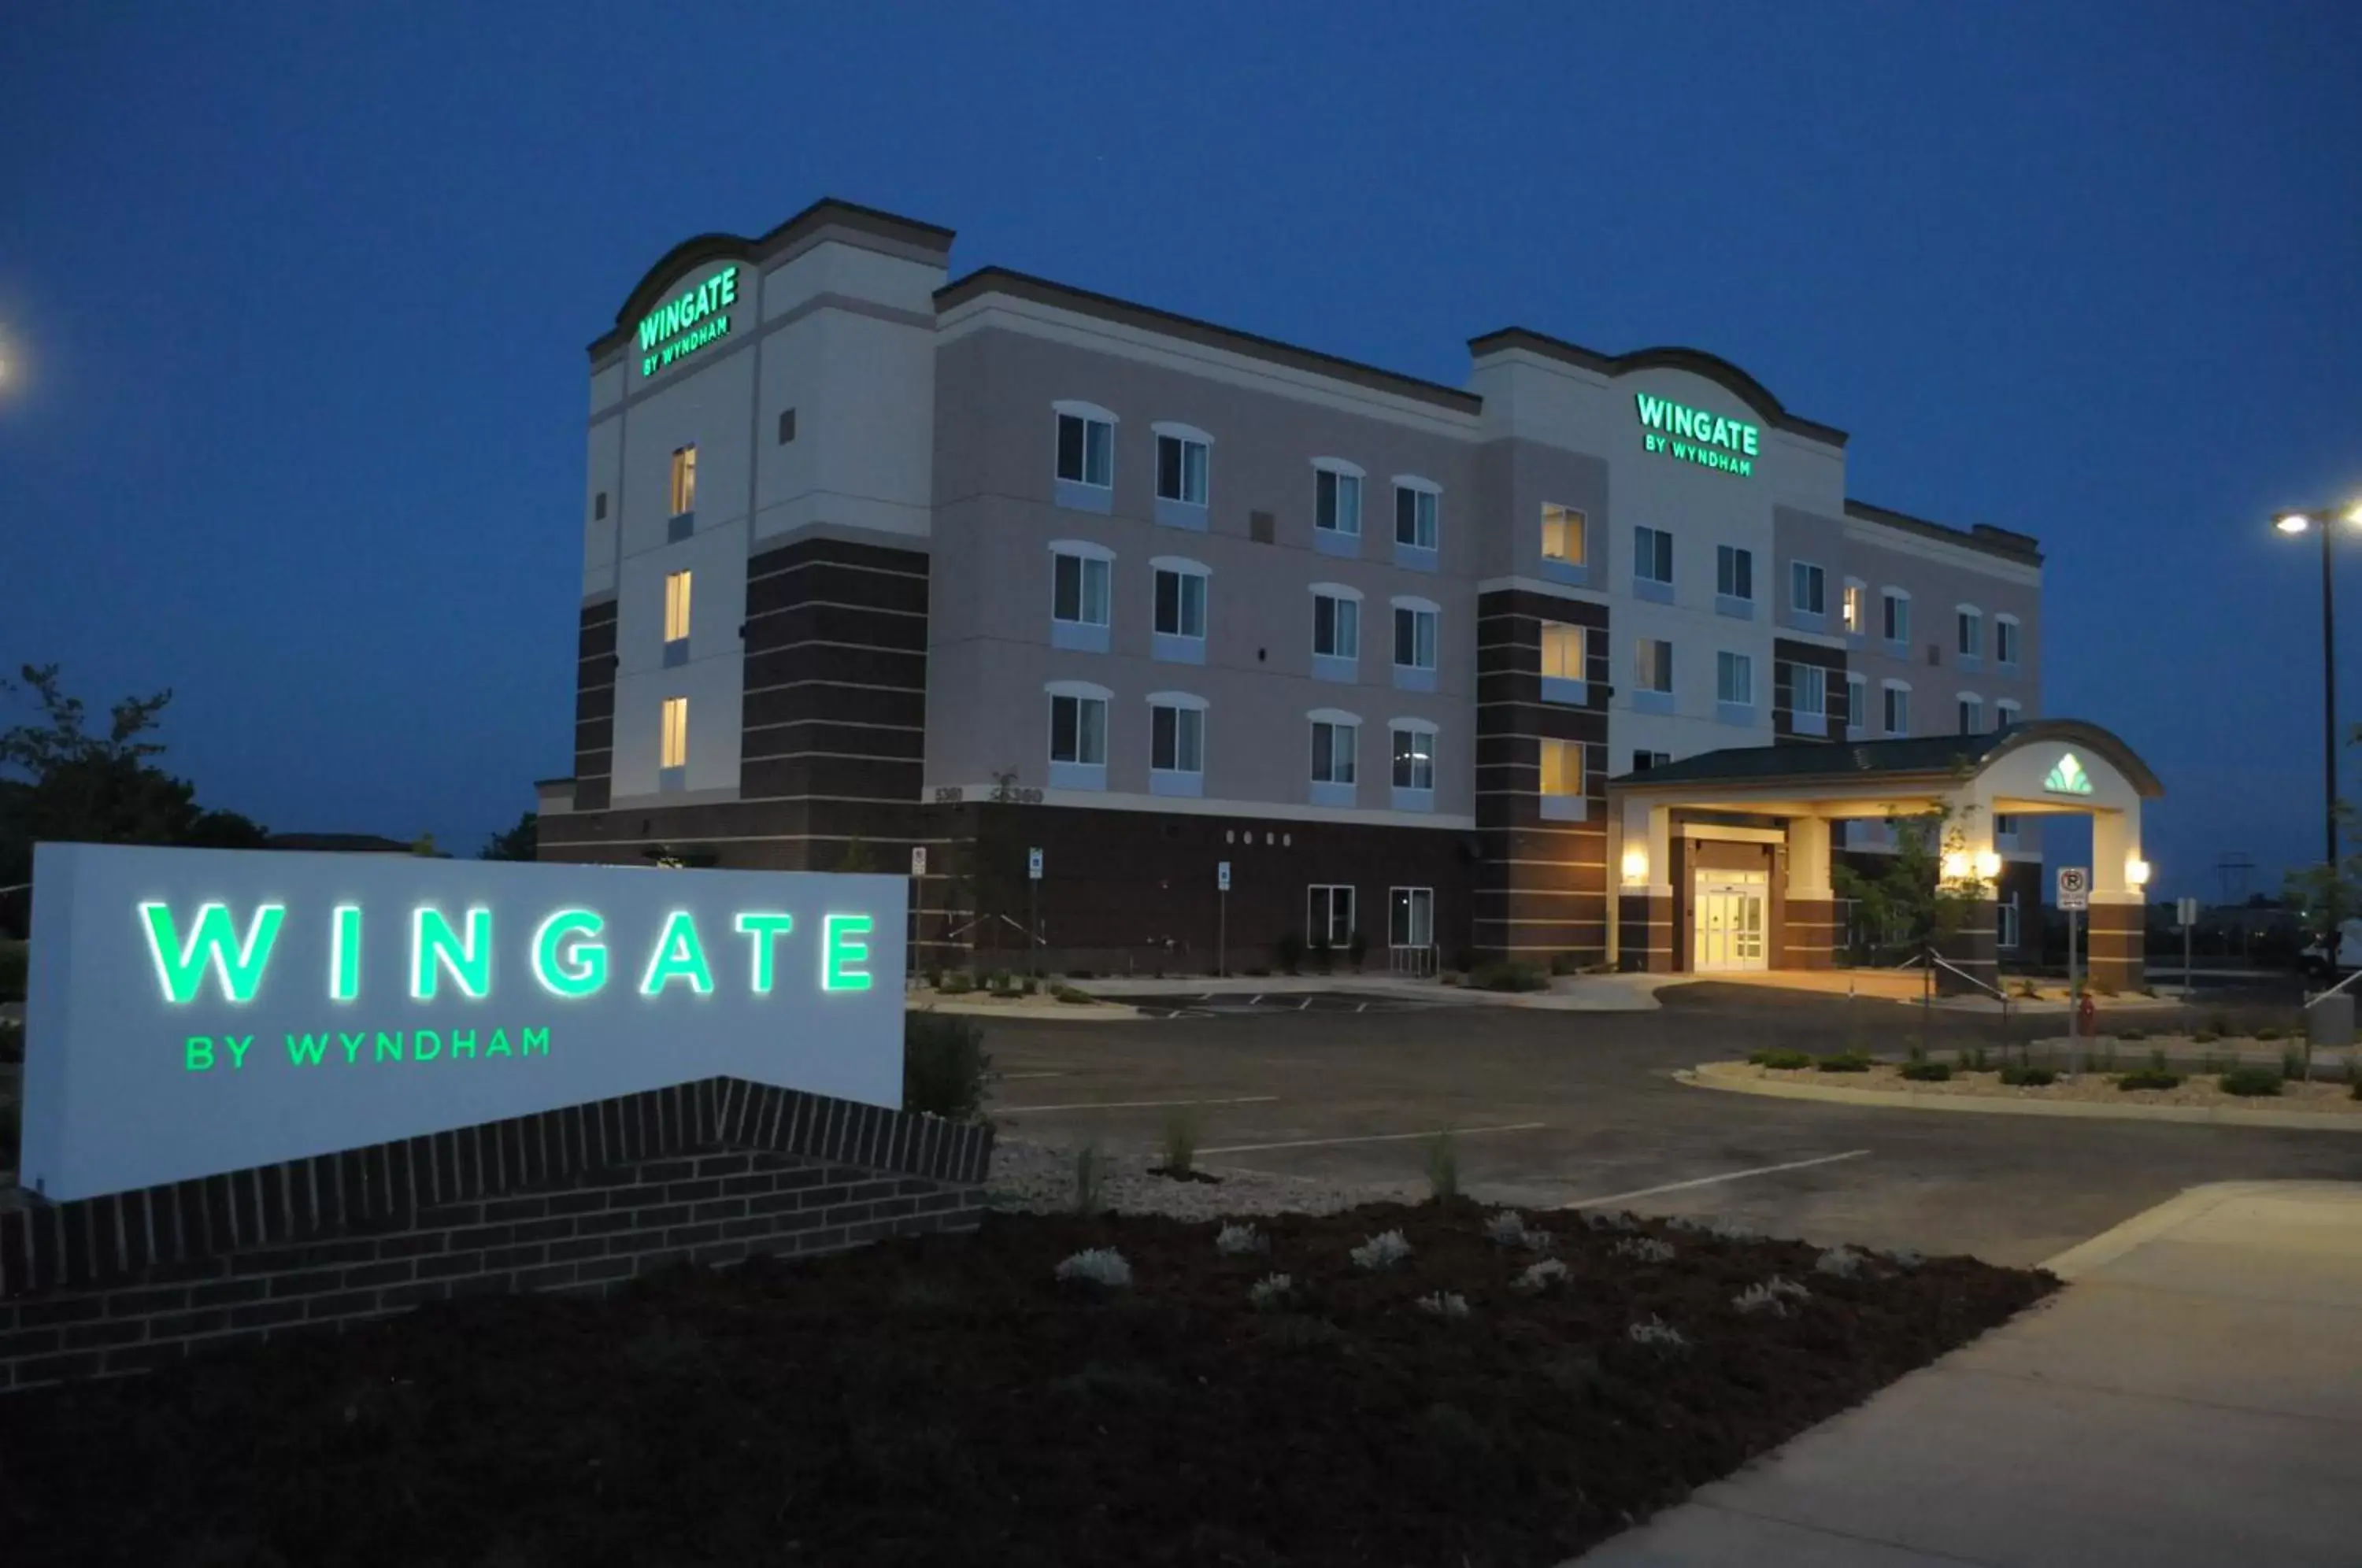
column 191, row 1011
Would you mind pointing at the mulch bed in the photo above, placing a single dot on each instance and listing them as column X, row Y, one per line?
column 945, row 1401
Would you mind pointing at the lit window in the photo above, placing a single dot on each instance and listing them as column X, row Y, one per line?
column 1080, row 589
column 1079, row 730
column 1807, row 587
column 1850, row 607
column 1177, row 739
column 1085, row 451
column 1652, row 555
column 1734, row 571
column 1972, row 634
column 1333, row 745
column 1181, row 469
column 1734, row 679
column 1415, row 515
column 1562, row 534
column 2005, row 639
column 1898, row 616
column 1808, row 688
column 684, row 482
column 672, row 748
column 676, row 613
column 1562, row 767
column 1414, row 759
column 1414, row 637
column 1654, row 670
column 1898, row 710
column 1180, row 603
column 1972, row 715
column 1336, row 627
column 1337, row 502
column 1565, row 651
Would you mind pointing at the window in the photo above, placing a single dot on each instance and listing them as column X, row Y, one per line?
column 684, row 480
column 1176, row 738
column 1562, row 535
column 1181, row 464
column 672, row 746
column 2005, row 713
column 1734, row 572
column 1086, row 449
column 1806, row 586
column 1972, row 714
column 675, row 609
column 1328, row 915
column 1898, row 616
column 2004, row 830
column 2006, row 927
column 1898, row 709
column 2005, row 640
column 1644, row 760
column 1078, row 729
column 1734, row 679
column 1414, row 636
column 786, row 425
column 1333, row 743
column 599, row 507
column 1971, row 632
column 1414, row 749
column 1410, row 917
column 1850, row 609
column 1652, row 556
column 1180, row 603
column 1653, row 669
column 1080, row 589
column 1562, row 767
column 1856, row 704
column 1336, row 627
column 1808, row 693
column 1566, row 650
column 1337, row 501
column 1415, row 508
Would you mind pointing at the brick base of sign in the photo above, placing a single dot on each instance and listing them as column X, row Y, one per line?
column 577, row 1201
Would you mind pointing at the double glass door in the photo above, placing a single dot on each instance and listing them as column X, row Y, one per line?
column 1729, row 917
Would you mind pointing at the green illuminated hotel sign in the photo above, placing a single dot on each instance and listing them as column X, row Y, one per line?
column 1694, row 436
column 2066, row 777
column 680, row 326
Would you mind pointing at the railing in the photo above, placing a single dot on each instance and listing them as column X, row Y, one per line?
column 1415, row 963
column 1994, row 991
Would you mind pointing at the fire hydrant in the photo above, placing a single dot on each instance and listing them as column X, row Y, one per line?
column 2085, row 1015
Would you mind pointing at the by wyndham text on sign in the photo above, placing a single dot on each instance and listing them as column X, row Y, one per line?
column 191, row 1011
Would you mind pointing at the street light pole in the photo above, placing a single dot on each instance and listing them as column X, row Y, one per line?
column 2328, row 707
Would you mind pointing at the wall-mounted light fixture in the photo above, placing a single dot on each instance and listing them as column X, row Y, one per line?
column 2136, row 871
column 1635, row 866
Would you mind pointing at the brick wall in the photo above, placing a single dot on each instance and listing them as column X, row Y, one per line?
column 574, row 1200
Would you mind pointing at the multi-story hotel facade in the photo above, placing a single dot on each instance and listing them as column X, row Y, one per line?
column 876, row 560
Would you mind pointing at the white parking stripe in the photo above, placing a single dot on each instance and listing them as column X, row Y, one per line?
column 1134, row 1105
column 1373, row 1138
column 1012, row 1078
column 1705, row 1180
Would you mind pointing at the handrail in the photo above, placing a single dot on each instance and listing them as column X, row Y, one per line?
column 1998, row 994
column 2340, row 986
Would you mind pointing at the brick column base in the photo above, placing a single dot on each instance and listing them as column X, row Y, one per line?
column 2116, row 943
column 1645, row 932
column 1807, row 933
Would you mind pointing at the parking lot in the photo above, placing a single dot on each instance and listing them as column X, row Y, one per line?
column 1558, row 1108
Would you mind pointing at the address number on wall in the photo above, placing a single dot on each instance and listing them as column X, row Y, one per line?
column 953, row 794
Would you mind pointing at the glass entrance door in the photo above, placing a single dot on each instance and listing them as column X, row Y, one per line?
column 1728, row 916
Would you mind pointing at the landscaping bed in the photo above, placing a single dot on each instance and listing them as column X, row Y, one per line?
column 948, row 1401
column 2095, row 1084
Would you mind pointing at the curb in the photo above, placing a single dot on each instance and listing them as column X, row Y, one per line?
column 1105, row 1011
column 1720, row 1075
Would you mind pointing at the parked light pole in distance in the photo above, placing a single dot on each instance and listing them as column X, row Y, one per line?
column 2318, row 520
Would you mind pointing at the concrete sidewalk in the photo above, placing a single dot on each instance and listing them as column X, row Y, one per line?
column 1567, row 993
column 2194, row 1397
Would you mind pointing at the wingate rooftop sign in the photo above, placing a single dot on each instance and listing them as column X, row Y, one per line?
column 683, row 325
column 191, row 1011
column 1694, row 436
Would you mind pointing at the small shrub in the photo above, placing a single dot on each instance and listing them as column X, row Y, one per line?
column 2025, row 1077
column 1975, row 1060
column 1904, row 1258
column 2205, row 1037
column 1381, row 1252
column 2354, row 1089
column 1071, row 996
column 1180, row 1144
column 957, row 983
column 1537, row 1279
column 944, row 1065
column 1844, row 1062
column 1734, row 1230
column 1565, row 964
column 1236, row 1241
column 1600, row 1220
column 1102, row 1266
column 1644, row 1249
column 1090, row 1173
column 1357, row 948
column 1773, row 1296
column 2292, row 1065
column 2132, row 1033
column 1270, row 1293
column 2157, row 1060
column 1541, row 1241
column 1842, row 1263
column 1443, row 1304
column 1656, row 1334
column 1927, row 1072
column 1513, row 975
column 1505, row 1229
column 2108, row 1058
column 1030, row 986
column 2149, row 1078
column 2268, row 1033
column 1443, row 1168
column 1782, row 1061
column 1289, row 952
column 2251, row 1082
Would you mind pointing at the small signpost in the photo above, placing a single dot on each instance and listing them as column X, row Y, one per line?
column 918, row 860
column 2185, row 915
column 1221, row 914
column 1033, row 910
column 2074, row 898
column 917, row 869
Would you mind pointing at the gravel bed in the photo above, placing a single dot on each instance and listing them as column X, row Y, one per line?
column 1039, row 1178
column 2093, row 1085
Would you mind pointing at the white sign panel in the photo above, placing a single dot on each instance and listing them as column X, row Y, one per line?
column 918, row 860
column 2074, row 888
column 192, row 1011
column 1223, row 876
column 2185, row 912
column 1033, row 863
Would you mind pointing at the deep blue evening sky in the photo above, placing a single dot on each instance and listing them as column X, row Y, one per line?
column 297, row 307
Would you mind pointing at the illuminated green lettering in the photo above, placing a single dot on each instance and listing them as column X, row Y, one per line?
column 765, row 929
column 352, row 1045
column 237, row 966
column 1652, row 410
column 839, row 951
column 434, row 948
column 579, row 974
column 388, row 1045
column 305, row 1050
column 239, row 1044
column 197, row 1054
column 678, row 956
column 419, row 1041
column 345, row 953
column 499, row 1045
column 536, row 1039
column 466, row 1037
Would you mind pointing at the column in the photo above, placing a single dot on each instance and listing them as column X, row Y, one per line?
column 1645, row 891
column 2116, row 937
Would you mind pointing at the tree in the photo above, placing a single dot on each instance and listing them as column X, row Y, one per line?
column 1910, row 902
column 2325, row 896
column 522, row 842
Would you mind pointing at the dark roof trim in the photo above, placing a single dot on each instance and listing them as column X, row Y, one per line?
column 1696, row 361
column 689, row 254
column 1041, row 290
column 1923, row 757
column 1992, row 541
